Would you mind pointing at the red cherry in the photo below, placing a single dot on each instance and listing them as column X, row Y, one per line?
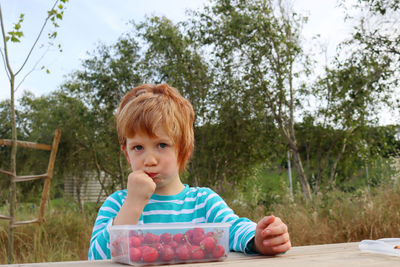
column 165, row 238
column 150, row 238
column 179, row 238
column 120, row 242
column 149, row 254
column 120, row 245
column 173, row 244
column 208, row 244
column 197, row 253
column 115, row 253
column 218, row 252
column 158, row 246
column 135, row 254
column 183, row 252
column 189, row 234
column 133, row 233
column 167, row 253
column 198, row 235
column 134, row 241
column 143, row 248
column 211, row 234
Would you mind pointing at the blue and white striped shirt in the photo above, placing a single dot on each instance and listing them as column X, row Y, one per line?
column 192, row 205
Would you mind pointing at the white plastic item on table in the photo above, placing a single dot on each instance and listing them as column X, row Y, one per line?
column 381, row 246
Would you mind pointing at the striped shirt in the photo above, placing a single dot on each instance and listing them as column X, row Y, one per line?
column 192, row 205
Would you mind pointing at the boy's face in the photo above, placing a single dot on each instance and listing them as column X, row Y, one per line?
column 157, row 157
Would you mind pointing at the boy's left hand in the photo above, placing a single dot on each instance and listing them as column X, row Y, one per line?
column 271, row 236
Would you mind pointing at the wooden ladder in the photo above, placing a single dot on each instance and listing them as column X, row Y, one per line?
column 46, row 176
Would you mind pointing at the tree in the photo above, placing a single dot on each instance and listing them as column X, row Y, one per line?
column 15, row 35
column 376, row 32
column 255, row 48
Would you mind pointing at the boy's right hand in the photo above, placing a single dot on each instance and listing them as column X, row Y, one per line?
column 140, row 188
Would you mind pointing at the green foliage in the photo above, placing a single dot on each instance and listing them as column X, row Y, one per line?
column 241, row 65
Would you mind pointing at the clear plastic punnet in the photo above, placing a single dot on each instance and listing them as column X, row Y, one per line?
column 387, row 246
column 155, row 244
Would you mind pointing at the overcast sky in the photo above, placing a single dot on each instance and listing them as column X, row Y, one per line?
column 88, row 22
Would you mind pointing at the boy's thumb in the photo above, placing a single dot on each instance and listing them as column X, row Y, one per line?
column 264, row 222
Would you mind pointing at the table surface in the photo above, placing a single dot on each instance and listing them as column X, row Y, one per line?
column 342, row 254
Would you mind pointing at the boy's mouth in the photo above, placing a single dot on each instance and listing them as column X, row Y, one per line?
column 151, row 174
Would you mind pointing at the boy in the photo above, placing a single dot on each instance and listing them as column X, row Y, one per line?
column 155, row 130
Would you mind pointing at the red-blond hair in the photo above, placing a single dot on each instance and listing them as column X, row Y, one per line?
column 146, row 108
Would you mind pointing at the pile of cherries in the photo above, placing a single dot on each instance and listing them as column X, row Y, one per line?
column 193, row 245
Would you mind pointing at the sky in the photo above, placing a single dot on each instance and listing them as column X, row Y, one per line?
column 87, row 23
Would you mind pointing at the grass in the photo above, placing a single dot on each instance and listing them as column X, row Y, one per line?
column 336, row 217
column 63, row 237
column 331, row 218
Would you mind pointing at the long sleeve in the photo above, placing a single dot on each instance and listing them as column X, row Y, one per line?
column 99, row 248
column 242, row 229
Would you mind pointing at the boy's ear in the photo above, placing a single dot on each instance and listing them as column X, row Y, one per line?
column 126, row 154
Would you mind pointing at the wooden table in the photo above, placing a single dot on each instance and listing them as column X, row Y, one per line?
column 343, row 255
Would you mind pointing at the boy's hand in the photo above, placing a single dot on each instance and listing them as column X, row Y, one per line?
column 271, row 236
column 140, row 188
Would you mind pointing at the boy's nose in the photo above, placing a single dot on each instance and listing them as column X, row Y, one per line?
column 150, row 159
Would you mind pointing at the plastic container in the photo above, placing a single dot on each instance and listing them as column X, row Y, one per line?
column 382, row 246
column 154, row 244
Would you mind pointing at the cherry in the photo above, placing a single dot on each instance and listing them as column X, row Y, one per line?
column 211, row 234
column 133, row 233
column 189, row 234
column 166, row 238
column 167, row 253
column 120, row 242
column 134, row 241
column 197, row 236
column 149, row 254
column 197, row 253
column 173, row 244
column 183, row 252
column 150, row 238
column 158, row 246
column 179, row 238
column 115, row 253
column 208, row 244
column 218, row 252
column 135, row 254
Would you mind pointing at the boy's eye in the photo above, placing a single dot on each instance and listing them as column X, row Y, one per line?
column 137, row 148
column 162, row 145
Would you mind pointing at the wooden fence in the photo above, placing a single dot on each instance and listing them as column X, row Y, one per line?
column 90, row 190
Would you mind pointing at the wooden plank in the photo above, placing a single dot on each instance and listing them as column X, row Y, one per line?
column 6, row 172
column 5, row 217
column 26, row 144
column 29, row 177
column 19, row 223
column 50, row 167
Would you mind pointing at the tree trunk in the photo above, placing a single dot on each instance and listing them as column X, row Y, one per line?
column 302, row 177
column 78, row 187
column 12, row 199
column 332, row 176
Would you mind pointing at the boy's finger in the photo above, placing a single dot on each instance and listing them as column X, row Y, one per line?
column 282, row 248
column 277, row 240
column 275, row 230
column 264, row 222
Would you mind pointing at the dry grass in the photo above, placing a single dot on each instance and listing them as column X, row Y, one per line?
column 337, row 217
column 63, row 237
